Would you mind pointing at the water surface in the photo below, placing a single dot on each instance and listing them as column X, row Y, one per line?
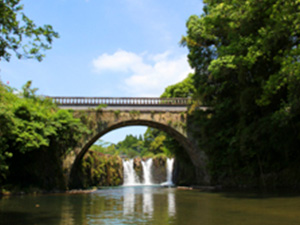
column 151, row 205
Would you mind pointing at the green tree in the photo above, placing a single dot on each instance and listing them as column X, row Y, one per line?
column 182, row 89
column 20, row 35
column 246, row 60
column 34, row 132
column 154, row 141
column 131, row 146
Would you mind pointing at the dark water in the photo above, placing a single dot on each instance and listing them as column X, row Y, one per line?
column 151, row 205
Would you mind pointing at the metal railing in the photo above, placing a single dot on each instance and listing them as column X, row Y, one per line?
column 114, row 101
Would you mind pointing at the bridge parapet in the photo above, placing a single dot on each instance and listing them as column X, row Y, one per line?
column 122, row 101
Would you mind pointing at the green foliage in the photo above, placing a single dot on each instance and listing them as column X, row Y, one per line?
column 101, row 170
column 182, row 89
column 151, row 144
column 117, row 113
column 31, row 126
column 28, row 123
column 134, row 113
column 247, row 69
column 21, row 35
column 101, row 106
column 131, row 146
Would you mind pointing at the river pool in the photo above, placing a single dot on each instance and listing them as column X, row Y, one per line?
column 151, row 205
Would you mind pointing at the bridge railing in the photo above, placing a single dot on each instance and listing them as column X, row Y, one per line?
column 114, row 101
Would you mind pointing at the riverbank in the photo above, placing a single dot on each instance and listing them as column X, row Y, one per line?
column 35, row 191
column 200, row 188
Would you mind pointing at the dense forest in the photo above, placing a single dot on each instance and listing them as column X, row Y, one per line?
column 247, row 70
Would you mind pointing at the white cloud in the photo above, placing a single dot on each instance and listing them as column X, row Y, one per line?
column 121, row 61
column 159, row 57
column 148, row 74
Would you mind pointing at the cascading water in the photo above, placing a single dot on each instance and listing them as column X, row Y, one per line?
column 147, row 171
column 170, row 163
column 130, row 177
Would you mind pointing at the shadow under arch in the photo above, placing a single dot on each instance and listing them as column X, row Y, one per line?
column 181, row 138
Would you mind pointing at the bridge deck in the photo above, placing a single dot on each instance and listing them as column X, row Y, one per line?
column 123, row 103
column 110, row 101
column 129, row 108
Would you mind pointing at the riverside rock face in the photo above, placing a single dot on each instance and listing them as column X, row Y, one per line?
column 137, row 165
column 159, row 170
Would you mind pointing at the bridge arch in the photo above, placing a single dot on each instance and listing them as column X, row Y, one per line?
column 166, row 114
column 177, row 135
column 173, row 123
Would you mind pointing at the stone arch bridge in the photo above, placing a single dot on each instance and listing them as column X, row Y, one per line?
column 103, row 115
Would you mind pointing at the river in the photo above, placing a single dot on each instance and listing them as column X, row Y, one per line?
column 151, row 205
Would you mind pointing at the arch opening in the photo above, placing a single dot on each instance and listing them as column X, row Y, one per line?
column 180, row 138
column 187, row 146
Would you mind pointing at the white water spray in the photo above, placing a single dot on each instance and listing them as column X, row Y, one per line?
column 130, row 177
column 170, row 164
column 147, row 165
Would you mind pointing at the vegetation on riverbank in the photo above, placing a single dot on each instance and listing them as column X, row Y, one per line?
column 34, row 137
column 246, row 60
column 101, row 170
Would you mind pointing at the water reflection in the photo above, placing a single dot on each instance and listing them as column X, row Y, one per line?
column 128, row 200
column 148, row 205
column 171, row 204
column 148, row 202
column 66, row 213
column 143, row 200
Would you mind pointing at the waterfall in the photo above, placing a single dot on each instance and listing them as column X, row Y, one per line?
column 170, row 163
column 147, row 171
column 130, row 177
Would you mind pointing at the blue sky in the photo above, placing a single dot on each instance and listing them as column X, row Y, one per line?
column 115, row 48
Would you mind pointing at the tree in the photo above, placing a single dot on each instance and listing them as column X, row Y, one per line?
column 154, row 141
column 247, row 68
column 182, row 89
column 21, row 35
column 34, row 131
column 131, row 146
